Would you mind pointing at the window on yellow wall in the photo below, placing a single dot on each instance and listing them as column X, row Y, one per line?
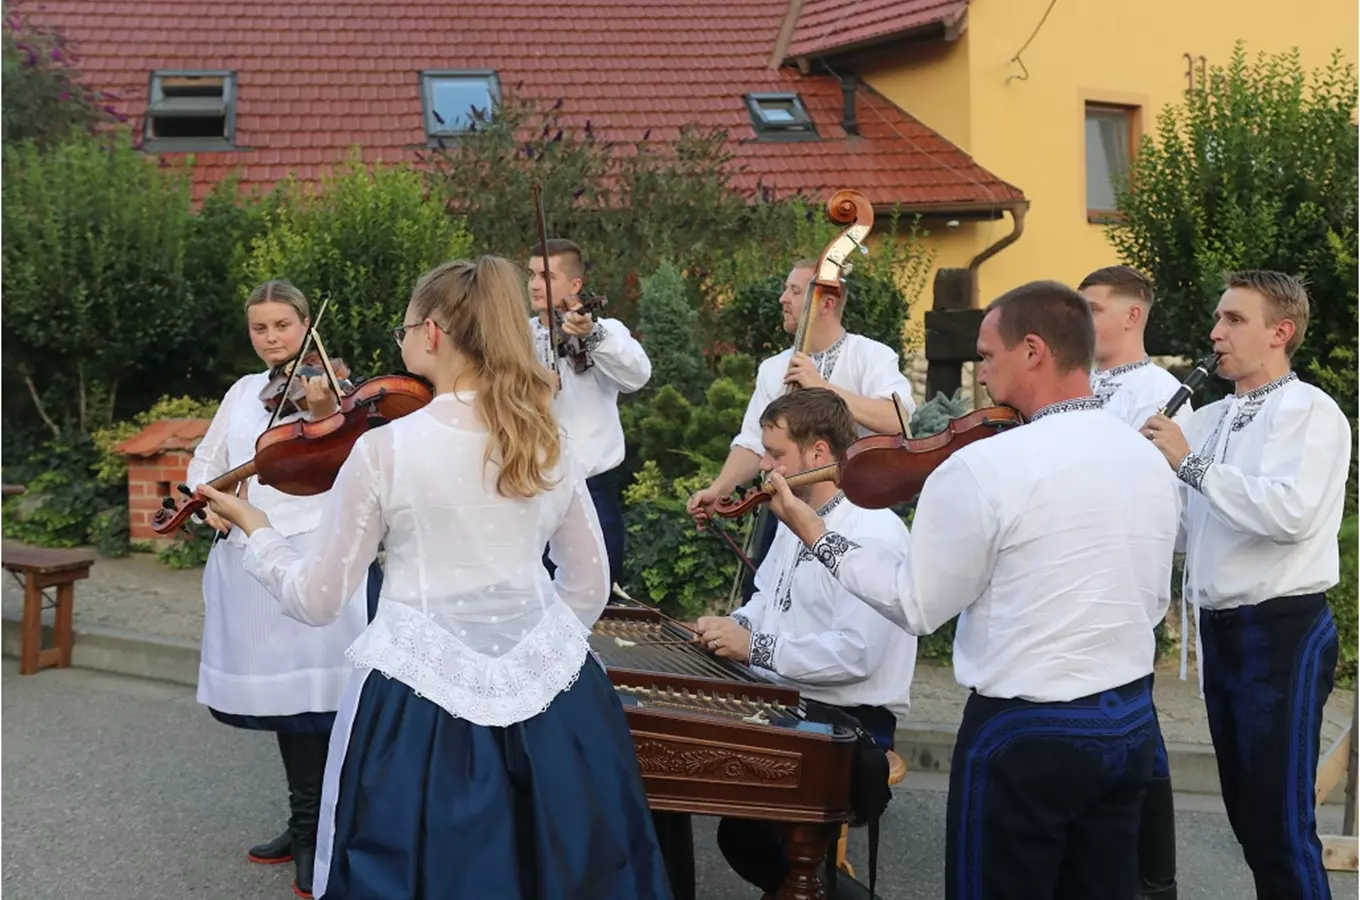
column 1109, row 151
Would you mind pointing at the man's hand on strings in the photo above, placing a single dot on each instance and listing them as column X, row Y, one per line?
column 801, row 518
column 803, row 372
column 725, row 637
column 700, row 506
column 577, row 324
column 1167, row 437
column 321, row 400
column 234, row 510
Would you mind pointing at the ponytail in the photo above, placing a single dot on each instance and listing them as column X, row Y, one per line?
column 480, row 304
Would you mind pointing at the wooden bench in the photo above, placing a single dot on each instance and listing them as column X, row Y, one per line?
column 41, row 569
column 897, row 770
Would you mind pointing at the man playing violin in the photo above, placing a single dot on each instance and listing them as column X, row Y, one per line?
column 1130, row 386
column 1052, row 543
column 1263, row 474
column 865, row 373
column 802, row 627
column 587, row 403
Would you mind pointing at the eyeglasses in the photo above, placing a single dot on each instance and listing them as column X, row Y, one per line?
column 399, row 332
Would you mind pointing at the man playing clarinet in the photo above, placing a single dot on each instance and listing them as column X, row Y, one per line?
column 1264, row 475
column 1052, row 543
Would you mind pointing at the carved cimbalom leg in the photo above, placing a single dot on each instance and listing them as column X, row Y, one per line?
column 806, row 847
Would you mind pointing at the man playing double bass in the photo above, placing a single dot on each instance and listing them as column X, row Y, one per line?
column 865, row 373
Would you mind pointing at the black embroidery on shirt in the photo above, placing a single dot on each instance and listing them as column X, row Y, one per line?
column 762, row 650
column 741, row 620
column 1250, row 403
column 783, row 592
column 1127, row 367
column 1192, row 469
column 826, row 360
column 831, row 548
column 1076, row 404
column 595, row 338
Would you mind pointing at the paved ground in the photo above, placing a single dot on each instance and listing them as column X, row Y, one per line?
column 140, row 595
column 122, row 789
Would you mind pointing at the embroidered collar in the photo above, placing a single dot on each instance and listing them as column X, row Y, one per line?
column 831, row 504
column 831, row 350
column 1124, row 369
column 1261, row 392
column 1076, row 404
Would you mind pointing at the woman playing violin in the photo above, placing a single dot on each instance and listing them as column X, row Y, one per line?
column 481, row 750
column 260, row 669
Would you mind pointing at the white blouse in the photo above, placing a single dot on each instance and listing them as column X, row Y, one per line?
column 230, row 441
column 469, row 617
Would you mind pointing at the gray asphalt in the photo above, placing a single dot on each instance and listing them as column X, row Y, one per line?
column 124, row 789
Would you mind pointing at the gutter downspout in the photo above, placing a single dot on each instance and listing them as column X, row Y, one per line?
column 1018, row 209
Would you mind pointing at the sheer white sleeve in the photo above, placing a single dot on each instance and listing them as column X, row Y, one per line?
column 577, row 550
column 943, row 570
column 314, row 588
column 1304, row 461
column 210, row 456
column 618, row 356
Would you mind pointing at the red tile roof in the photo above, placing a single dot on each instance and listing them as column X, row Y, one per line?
column 826, row 25
column 316, row 77
column 165, row 436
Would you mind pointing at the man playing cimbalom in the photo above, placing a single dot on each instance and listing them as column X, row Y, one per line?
column 1131, row 387
column 1264, row 473
column 801, row 627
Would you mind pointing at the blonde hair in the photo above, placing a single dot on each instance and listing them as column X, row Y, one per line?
column 480, row 304
column 279, row 291
column 1285, row 296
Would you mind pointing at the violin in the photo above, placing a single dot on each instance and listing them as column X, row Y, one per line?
column 303, row 458
column 272, row 395
column 572, row 346
column 882, row 470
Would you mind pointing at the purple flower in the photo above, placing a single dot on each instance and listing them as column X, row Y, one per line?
column 55, row 54
column 63, row 96
column 13, row 23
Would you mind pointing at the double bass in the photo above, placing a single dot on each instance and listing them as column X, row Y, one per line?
column 303, row 457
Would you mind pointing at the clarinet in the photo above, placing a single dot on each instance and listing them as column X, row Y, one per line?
column 1203, row 369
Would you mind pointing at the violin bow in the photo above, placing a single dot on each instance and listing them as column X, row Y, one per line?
column 547, row 282
column 297, row 362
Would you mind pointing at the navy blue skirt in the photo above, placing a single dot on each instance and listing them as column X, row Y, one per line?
column 433, row 806
column 307, row 722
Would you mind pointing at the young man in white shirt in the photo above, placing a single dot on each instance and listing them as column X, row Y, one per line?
column 1125, row 379
column 863, row 372
column 1264, row 475
column 1132, row 388
column 1052, row 542
column 587, row 404
column 801, row 627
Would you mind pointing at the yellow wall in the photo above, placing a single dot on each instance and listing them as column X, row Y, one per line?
column 1031, row 131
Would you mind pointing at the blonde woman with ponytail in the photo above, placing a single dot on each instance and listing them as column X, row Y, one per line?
column 480, row 750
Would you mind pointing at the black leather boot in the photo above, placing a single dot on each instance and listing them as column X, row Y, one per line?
column 280, row 849
column 308, row 769
column 1157, row 843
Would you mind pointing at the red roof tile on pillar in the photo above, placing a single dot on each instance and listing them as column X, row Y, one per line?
column 165, row 435
column 315, row 78
column 826, row 25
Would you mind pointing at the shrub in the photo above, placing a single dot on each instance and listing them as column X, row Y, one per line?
column 46, row 101
column 362, row 239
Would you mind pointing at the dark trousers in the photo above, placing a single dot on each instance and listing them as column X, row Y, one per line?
column 1044, row 797
column 1157, row 832
column 607, row 493
column 1268, row 671
column 754, row 848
